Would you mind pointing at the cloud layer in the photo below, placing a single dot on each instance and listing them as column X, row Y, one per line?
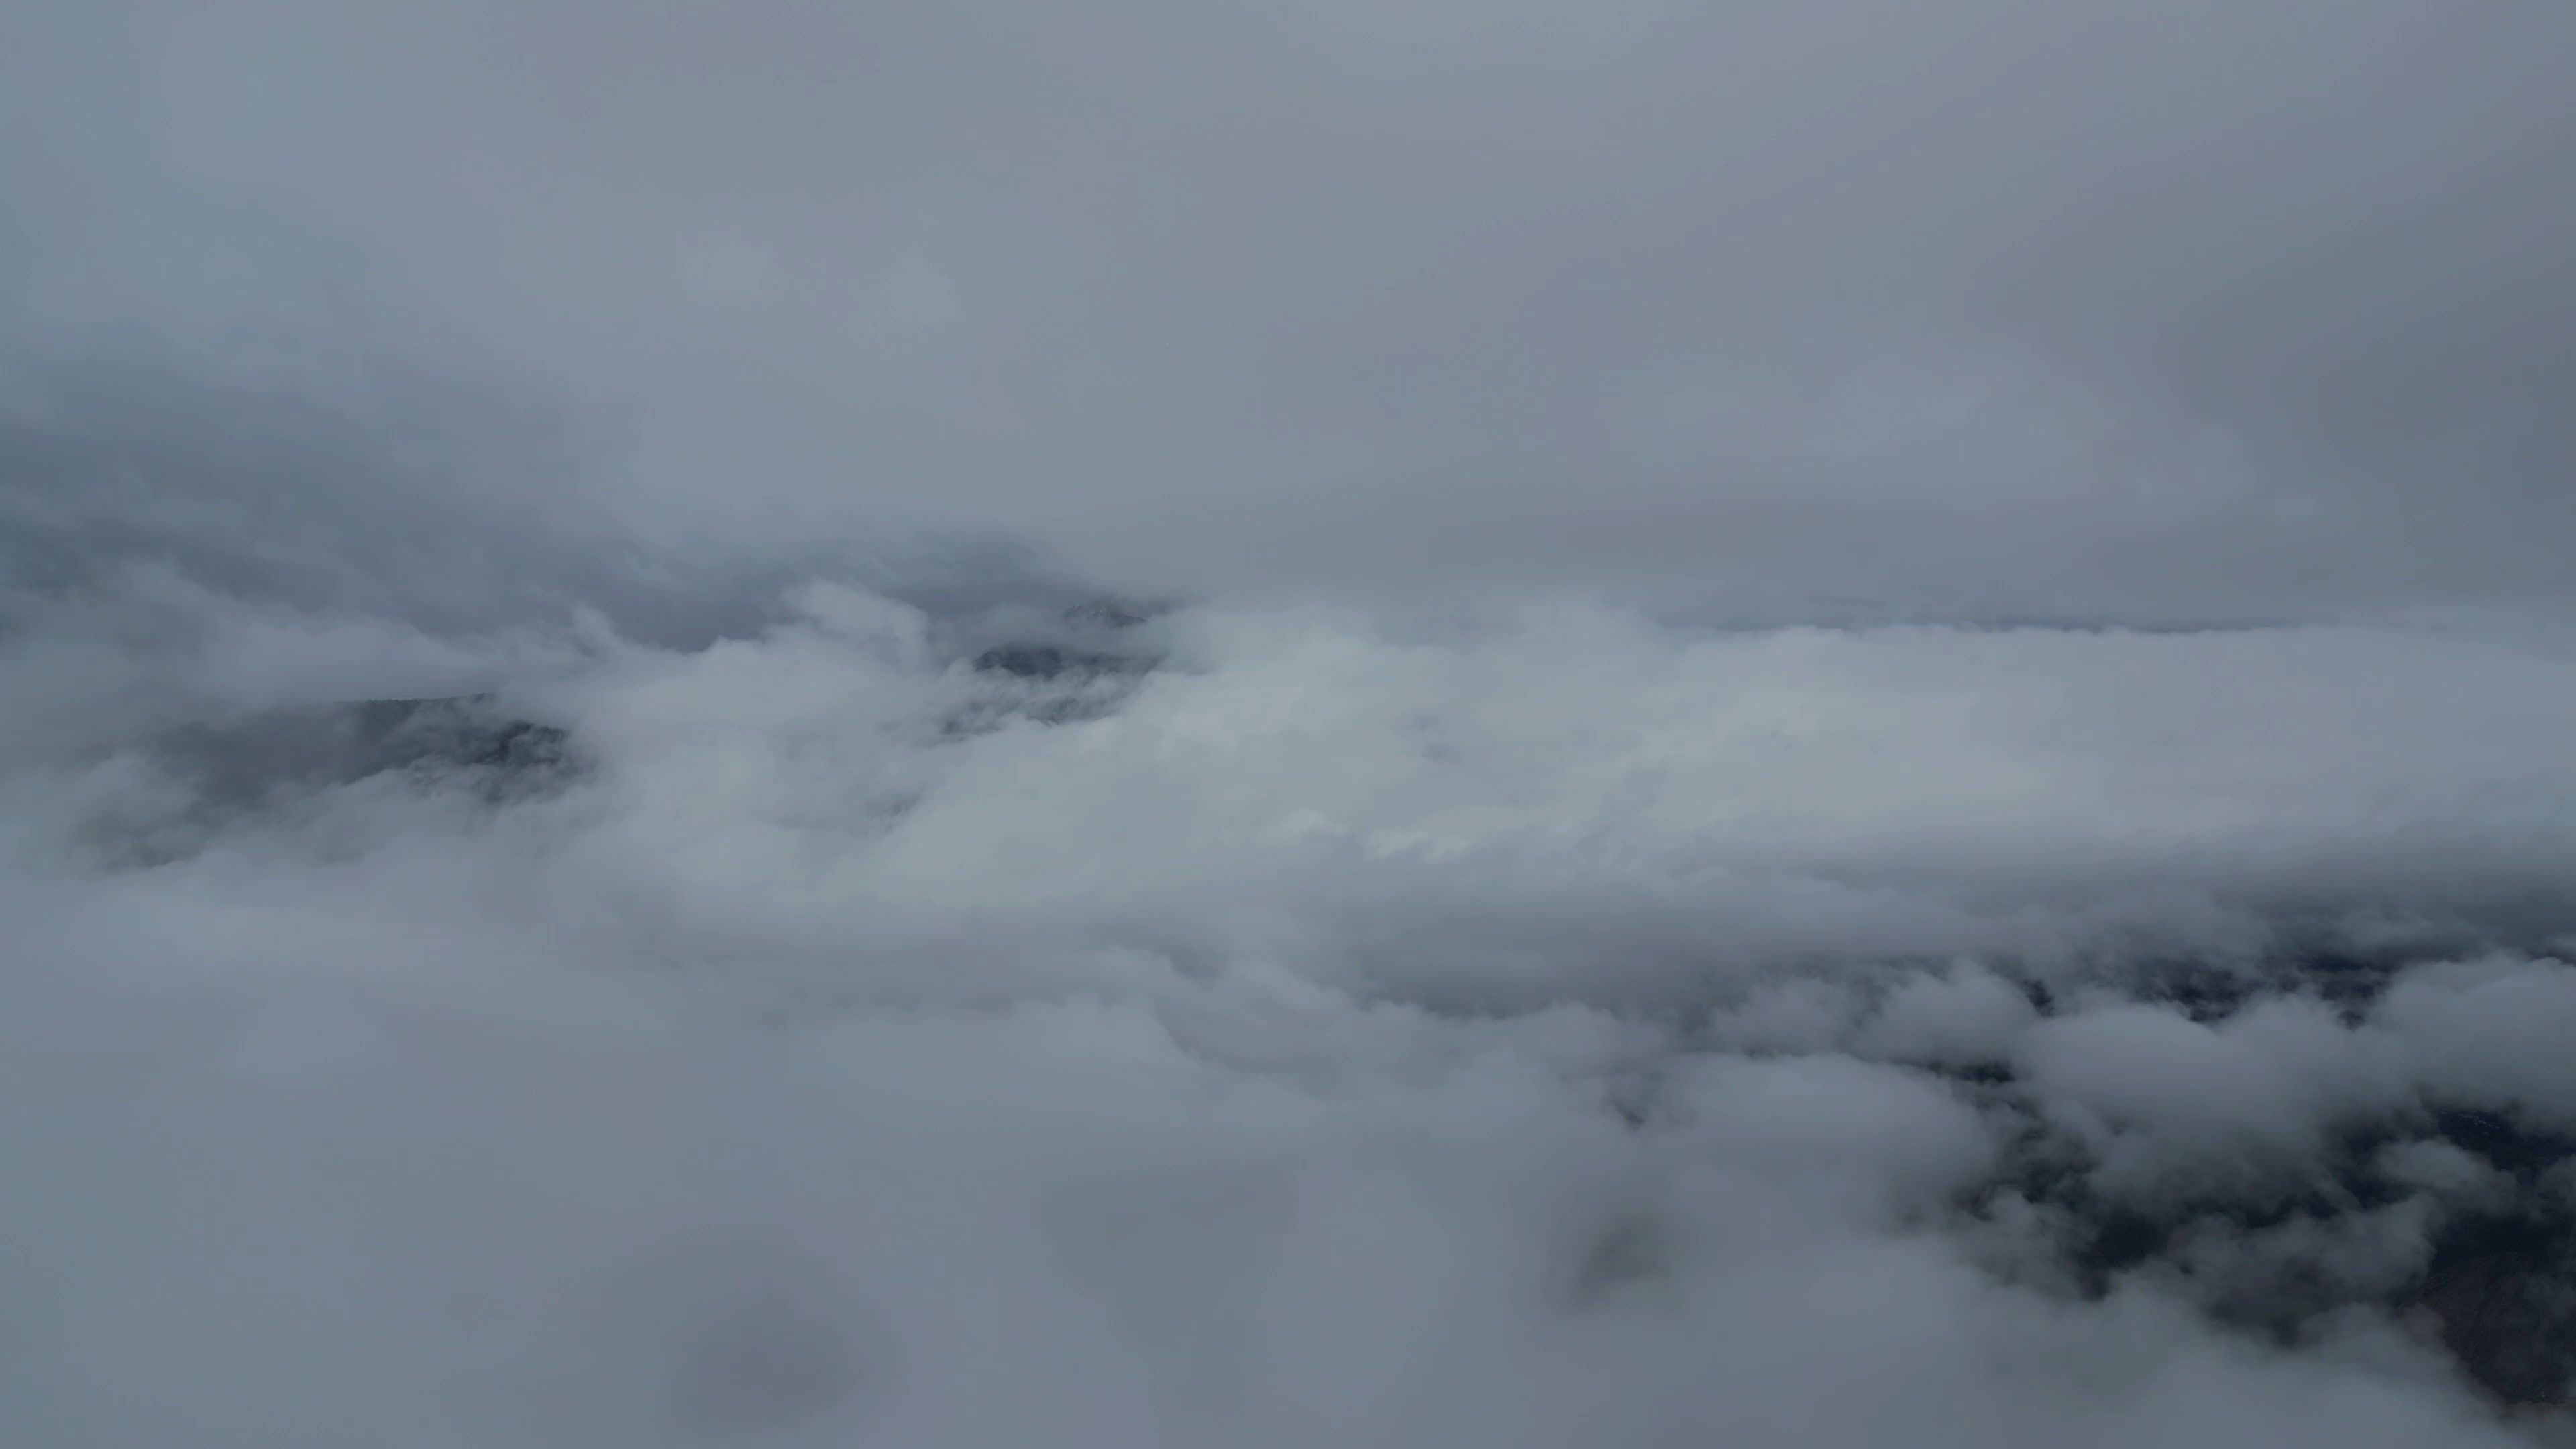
column 2187, row 311
column 1543, row 1027
column 1812, row 725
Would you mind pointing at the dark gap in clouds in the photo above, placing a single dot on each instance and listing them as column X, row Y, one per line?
column 2493, row 1281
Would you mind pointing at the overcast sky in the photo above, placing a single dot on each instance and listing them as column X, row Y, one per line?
column 1403, row 993
column 2194, row 307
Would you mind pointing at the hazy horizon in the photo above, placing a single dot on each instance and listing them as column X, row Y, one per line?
column 814, row 723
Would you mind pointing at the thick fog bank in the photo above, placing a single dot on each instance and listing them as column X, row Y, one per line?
column 1272, row 1025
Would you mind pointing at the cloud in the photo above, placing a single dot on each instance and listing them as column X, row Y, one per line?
column 2196, row 312
column 1544, row 1025
column 1362, row 724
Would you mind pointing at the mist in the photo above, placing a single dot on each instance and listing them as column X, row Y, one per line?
column 1973, row 305
column 1538, row 725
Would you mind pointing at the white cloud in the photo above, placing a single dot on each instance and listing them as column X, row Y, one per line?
column 1365, row 1031
column 1386, row 1002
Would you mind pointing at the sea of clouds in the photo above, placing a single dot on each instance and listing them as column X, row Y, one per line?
column 1273, row 1023
column 1175, row 726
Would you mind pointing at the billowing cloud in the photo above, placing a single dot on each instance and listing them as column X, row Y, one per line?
column 2185, row 310
column 815, row 724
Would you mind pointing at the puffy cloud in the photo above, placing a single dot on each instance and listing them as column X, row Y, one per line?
column 1827, row 726
column 2196, row 312
column 1542, row 1026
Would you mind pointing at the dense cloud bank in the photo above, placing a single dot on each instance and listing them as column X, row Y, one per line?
column 1285, row 1025
column 2196, row 309
column 1816, row 725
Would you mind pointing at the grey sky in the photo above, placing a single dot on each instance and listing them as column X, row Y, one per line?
column 1526, row 1021
column 2184, row 307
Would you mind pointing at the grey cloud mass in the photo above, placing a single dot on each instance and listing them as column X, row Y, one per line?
column 809, row 723
column 2179, row 309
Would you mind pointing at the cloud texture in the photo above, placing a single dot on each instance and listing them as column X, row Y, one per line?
column 1547, row 1027
column 1383, row 725
column 2188, row 310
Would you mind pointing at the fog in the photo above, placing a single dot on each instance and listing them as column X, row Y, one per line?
column 2192, row 308
column 819, row 724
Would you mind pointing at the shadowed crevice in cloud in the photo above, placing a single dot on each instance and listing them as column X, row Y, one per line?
column 1011, row 665
column 2454, row 1219
column 316, row 747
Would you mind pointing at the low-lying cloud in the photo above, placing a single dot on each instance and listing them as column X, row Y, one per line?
column 1362, row 725
column 1285, row 1025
